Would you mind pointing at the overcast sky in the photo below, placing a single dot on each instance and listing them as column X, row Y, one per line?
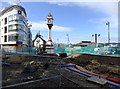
column 78, row 19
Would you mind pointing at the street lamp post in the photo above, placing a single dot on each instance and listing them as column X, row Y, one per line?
column 58, row 42
column 108, row 25
column 96, row 38
column 68, row 39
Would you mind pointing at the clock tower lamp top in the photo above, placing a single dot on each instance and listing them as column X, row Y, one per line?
column 50, row 16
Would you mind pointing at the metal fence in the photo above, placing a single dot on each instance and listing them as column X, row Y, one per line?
column 112, row 51
column 27, row 50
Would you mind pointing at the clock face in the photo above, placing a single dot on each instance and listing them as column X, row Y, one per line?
column 50, row 21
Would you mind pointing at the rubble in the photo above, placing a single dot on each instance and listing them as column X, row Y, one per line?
column 26, row 69
column 30, row 69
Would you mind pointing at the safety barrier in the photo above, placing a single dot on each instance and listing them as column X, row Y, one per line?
column 111, row 51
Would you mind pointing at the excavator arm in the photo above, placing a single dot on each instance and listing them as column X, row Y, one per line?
column 40, row 36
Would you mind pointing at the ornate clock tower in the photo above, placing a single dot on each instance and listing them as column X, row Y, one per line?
column 49, row 45
column 50, row 24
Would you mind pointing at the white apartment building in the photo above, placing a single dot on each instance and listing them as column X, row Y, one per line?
column 14, row 30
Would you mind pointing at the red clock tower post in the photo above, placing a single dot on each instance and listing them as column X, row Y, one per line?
column 50, row 24
column 49, row 45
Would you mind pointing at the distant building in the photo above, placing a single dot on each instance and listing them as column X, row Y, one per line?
column 87, row 43
column 82, row 44
column 14, row 30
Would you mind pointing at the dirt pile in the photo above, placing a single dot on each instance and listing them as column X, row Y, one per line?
column 73, row 55
column 95, row 65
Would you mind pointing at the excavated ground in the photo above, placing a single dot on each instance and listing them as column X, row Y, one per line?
column 24, row 68
column 103, row 65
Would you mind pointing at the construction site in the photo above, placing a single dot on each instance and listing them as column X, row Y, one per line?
column 74, row 70
column 40, row 63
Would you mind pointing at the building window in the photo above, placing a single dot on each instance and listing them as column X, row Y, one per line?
column 5, row 38
column 10, row 27
column 13, row 27
column 12, row 37
column 10, row 18
column 20, row 37
column 5, row 29
column 5, row 20
column 18, row 17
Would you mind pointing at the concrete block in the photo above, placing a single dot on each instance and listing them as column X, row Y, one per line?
column 97, row 80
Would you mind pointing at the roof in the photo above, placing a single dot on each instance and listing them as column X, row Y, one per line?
column 7, row 9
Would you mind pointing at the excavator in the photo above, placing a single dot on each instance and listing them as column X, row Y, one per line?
column 43, row 49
